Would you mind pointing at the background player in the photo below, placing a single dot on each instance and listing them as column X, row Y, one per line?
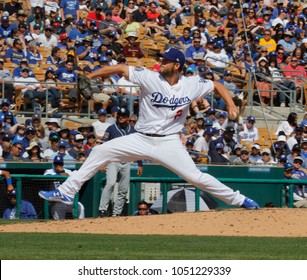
column 164, row 103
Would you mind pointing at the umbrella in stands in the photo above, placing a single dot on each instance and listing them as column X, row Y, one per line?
column 183, row 200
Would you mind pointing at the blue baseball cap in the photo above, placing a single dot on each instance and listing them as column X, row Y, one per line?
column 219, row 146
column 102, row 112
column 208, row 122
column 30, row 130
column 282, row 11
column 4, row 18
column 58, row 159
column 277, row 146
column 108, row 12
column 288, row 166
column 123, row 111
column 172, row 36
column 6, row 137
column 298, row 31
column 5, row 102
column 103, row 59
column 223, row 114
column 211, row 111
column 190, row 142
column 109, row 52
column 174, row 55
column 190, row 70
column 202, row 22
column 217, row 45
column 227, row 72
column 62, row 143
column 282, row 158
column 87, row 68
column 251, row 119
column 208, row 72
column 74, row 132
column 257, row 39
column 209, row 130
column 114, row 109
column 95, row 29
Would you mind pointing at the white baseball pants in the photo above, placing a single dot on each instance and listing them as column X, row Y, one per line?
column 167, row 151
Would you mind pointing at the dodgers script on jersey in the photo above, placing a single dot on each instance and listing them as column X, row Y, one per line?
column 164, row 107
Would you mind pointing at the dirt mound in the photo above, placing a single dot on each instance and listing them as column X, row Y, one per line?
column 282, row 222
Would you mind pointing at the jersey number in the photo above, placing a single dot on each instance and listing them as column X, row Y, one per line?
column 178, row 114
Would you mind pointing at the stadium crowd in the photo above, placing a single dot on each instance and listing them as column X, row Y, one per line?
column 47, row 43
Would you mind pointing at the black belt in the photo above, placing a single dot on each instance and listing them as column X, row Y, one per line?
column 153, row 134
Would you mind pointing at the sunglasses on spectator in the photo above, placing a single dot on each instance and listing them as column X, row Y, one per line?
column 265, row 154
column 133, row 121
column 297, row 162
column 244, row 153
column 293, row 60
column 19, row 148
column 98, row 142
column 280, row 52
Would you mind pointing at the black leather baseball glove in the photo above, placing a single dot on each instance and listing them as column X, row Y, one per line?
column 84, row 87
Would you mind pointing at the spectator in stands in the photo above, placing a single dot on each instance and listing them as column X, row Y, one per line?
column 40, row 137
column 27, row 210
column 68, row 75
column 53, row 125
column 6, row 77
column 78, row 33
column 217, row 155
column 70, row 7
column 250, row 132
column 76, row 146
column 195, row 52
column 132, row 49
column 295, row 72
column 217, row 60
column 185, row 41
column 108, row 25
column 32, row 89
column 15, row 54
column 255, row 153
column 132, row 120
column 87, row 51
column 95, row 15
column 54, row 147
column 297, row 137
column 55, row 57
column 266, row 158
column 5, row 27
column 189, row 130
column 214, row 18
column 202, row 143
column 264, row 85
column 34, row 56
column 226, row 139
column 295, row 152
column 23, row 64
column 5, row 109
column 85, row 129
column 101, row 125
column 48, row 40
column 63, row 148
column 37, row 21
column 289, row 125
column 140, row 14
column 15, row 152
column 281, row 19
column 129, row 93
column 33, row 153
column 243, row 159
column 287, row 42
column 231, row 21
column 267, row 41
column 129, row 25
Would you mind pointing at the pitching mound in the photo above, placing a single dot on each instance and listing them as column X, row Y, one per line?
column 274, row 222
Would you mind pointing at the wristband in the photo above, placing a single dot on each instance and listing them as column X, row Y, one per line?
column 9, row 181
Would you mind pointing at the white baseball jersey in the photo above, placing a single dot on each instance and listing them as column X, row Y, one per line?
column 164, row 107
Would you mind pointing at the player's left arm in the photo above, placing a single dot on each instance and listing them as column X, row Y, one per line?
column 233, row 111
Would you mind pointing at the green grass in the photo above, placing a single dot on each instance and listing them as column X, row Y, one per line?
column 151, row 247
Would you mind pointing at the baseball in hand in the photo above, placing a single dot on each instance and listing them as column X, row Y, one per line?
column 234, row 115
